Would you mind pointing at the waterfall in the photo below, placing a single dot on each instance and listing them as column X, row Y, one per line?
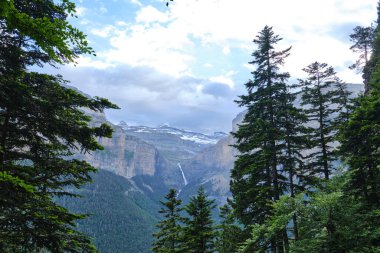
column 183, row 174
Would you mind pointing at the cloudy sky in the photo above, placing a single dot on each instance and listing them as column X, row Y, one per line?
column 186, row 63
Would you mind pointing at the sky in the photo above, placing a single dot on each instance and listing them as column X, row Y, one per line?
column 184, row 65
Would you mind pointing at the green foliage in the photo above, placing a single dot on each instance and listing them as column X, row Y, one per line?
column 255, row 176
column 198, row 230
column 320, row 96
column 363, row 38
column 360, row 141
column 270, row 139
column 339, row 213
column 44, row 22
column 168, row 236
column 360, row 136
column 41, row 125
column 328, row 220
column 229, row 233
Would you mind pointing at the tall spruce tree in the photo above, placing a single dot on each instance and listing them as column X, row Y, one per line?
column 319, row 96
column 198, row 231
column 41, row 125
column 168, row 237
column 258, row 176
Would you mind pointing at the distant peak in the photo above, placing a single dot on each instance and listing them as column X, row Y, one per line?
column 123, row 124
column 220, row 134
column 164, row 125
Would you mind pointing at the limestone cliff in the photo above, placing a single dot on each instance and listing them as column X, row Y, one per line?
column 129, row 156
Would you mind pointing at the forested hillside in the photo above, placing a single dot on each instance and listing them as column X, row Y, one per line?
column 121, row 217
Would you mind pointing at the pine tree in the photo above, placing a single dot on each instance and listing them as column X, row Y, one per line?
column 359, row 137
column 168, row 237
column 371, row 67
column 319, row 96
column 42, row 124
column 363, row 38
column 257, row 177
column 198, row 232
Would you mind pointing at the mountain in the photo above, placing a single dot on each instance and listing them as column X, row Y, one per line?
column 137, row 167
column 174, row 144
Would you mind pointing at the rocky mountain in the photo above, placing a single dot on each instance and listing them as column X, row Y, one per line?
column 137, row 167
column 145, row 162
column 175, row 144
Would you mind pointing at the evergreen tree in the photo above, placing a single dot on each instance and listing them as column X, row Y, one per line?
column 258, row 177
column 229, row 232
column 168, row 236
column 363, row 38
column 371, row 66
column 326, row 207
column 359, row 137
column 360, row 142
column 41, row 125
column 198, row 232
column 320, row 96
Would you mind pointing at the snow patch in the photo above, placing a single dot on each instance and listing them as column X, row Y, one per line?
column 199, row 140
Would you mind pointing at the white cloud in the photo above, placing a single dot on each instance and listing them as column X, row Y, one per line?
column 88, row 62
column 306, row 25
column 164, row 40
column 103, row 32
column 176, row 58
column 80, row 11
column 136, row 2
column 226, row 50
column 224, row 79
column 150, row 14
column 157, row 47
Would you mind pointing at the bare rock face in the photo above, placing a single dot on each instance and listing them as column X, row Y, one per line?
column 123, row 154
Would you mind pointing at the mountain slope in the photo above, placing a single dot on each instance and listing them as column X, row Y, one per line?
column 122, row 218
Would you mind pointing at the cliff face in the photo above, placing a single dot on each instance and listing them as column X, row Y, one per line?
column 128, row 156
column 125, row 155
